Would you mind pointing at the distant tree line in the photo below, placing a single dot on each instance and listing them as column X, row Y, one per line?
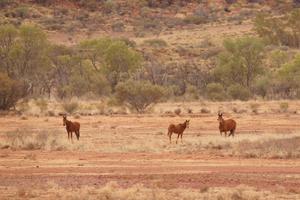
column 248, row 67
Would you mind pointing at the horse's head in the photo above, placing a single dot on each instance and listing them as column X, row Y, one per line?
column 187, row 123
column 220, row 117
column 64, row 120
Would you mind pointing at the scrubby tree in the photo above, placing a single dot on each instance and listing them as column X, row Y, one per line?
column 10, row 92
column 241, row 61
column 8, row 36
column 114, row 57
column 139, row 94
column 283, row 30
column 120, row 61
column 289, row 78
column 95, row 50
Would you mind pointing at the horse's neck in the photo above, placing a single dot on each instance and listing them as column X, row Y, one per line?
column 68, row 123
column 183, row 125
column 222, row 121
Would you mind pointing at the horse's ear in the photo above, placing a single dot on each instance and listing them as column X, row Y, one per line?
column 62, row 114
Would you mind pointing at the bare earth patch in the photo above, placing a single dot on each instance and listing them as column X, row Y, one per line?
column 129, row 157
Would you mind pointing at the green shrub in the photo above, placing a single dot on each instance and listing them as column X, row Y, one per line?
column 192, row 92
column 277, row 58
column 156, row 43
column 120, row 60
column 236, row 91
column 288, row 78
column 194, row 19
column 139, row 94
column 22, row 12
column 284, row 106
column 254, row 107
column 261, row 85
column 10, row 92
column 70, row 107
column 215, row 92
column 241, row 61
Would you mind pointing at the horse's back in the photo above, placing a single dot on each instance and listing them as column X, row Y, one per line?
column 171, row 127
column 76, row 125
column 231, row 124
column 175, row 128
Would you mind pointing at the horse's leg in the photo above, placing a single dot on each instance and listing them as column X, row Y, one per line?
column 181, row 137
column 225, row 133
column 231, row 133
column 221, row 133
column 68, row 135
column 177, row 137
column 170, row 136
column 77, row 134
column 72, row 136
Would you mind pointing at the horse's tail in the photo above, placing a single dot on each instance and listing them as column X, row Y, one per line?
column 78, row 132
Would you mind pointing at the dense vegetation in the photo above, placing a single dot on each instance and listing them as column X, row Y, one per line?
column 262, row 66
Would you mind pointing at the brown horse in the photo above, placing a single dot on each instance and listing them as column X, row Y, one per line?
column 71, row 127
column 226, row 125
column 178, row 129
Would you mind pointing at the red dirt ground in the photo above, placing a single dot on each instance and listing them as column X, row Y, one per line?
column 74, row 169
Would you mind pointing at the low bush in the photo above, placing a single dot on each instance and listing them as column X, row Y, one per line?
column 284, row 106
column 70, row 107
column 239, row 92
column 215, row 92
column 194, row 19
column 177, row 111
column 22, row 12
column 138, row 94
column 254, row 107
column 156, row 43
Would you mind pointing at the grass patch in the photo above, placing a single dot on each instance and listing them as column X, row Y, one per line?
column 25, row 140
column 282, row 148
column 112, row 191
column 157, row 43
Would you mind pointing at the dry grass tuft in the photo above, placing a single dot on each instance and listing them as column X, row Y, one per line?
column 25, row 140
column 112, row 191
column 177, row 111
column 283, row 148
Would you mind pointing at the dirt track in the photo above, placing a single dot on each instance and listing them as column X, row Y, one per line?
column 163, row 170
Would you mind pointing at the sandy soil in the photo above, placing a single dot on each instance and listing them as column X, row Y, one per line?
column 117, row 148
